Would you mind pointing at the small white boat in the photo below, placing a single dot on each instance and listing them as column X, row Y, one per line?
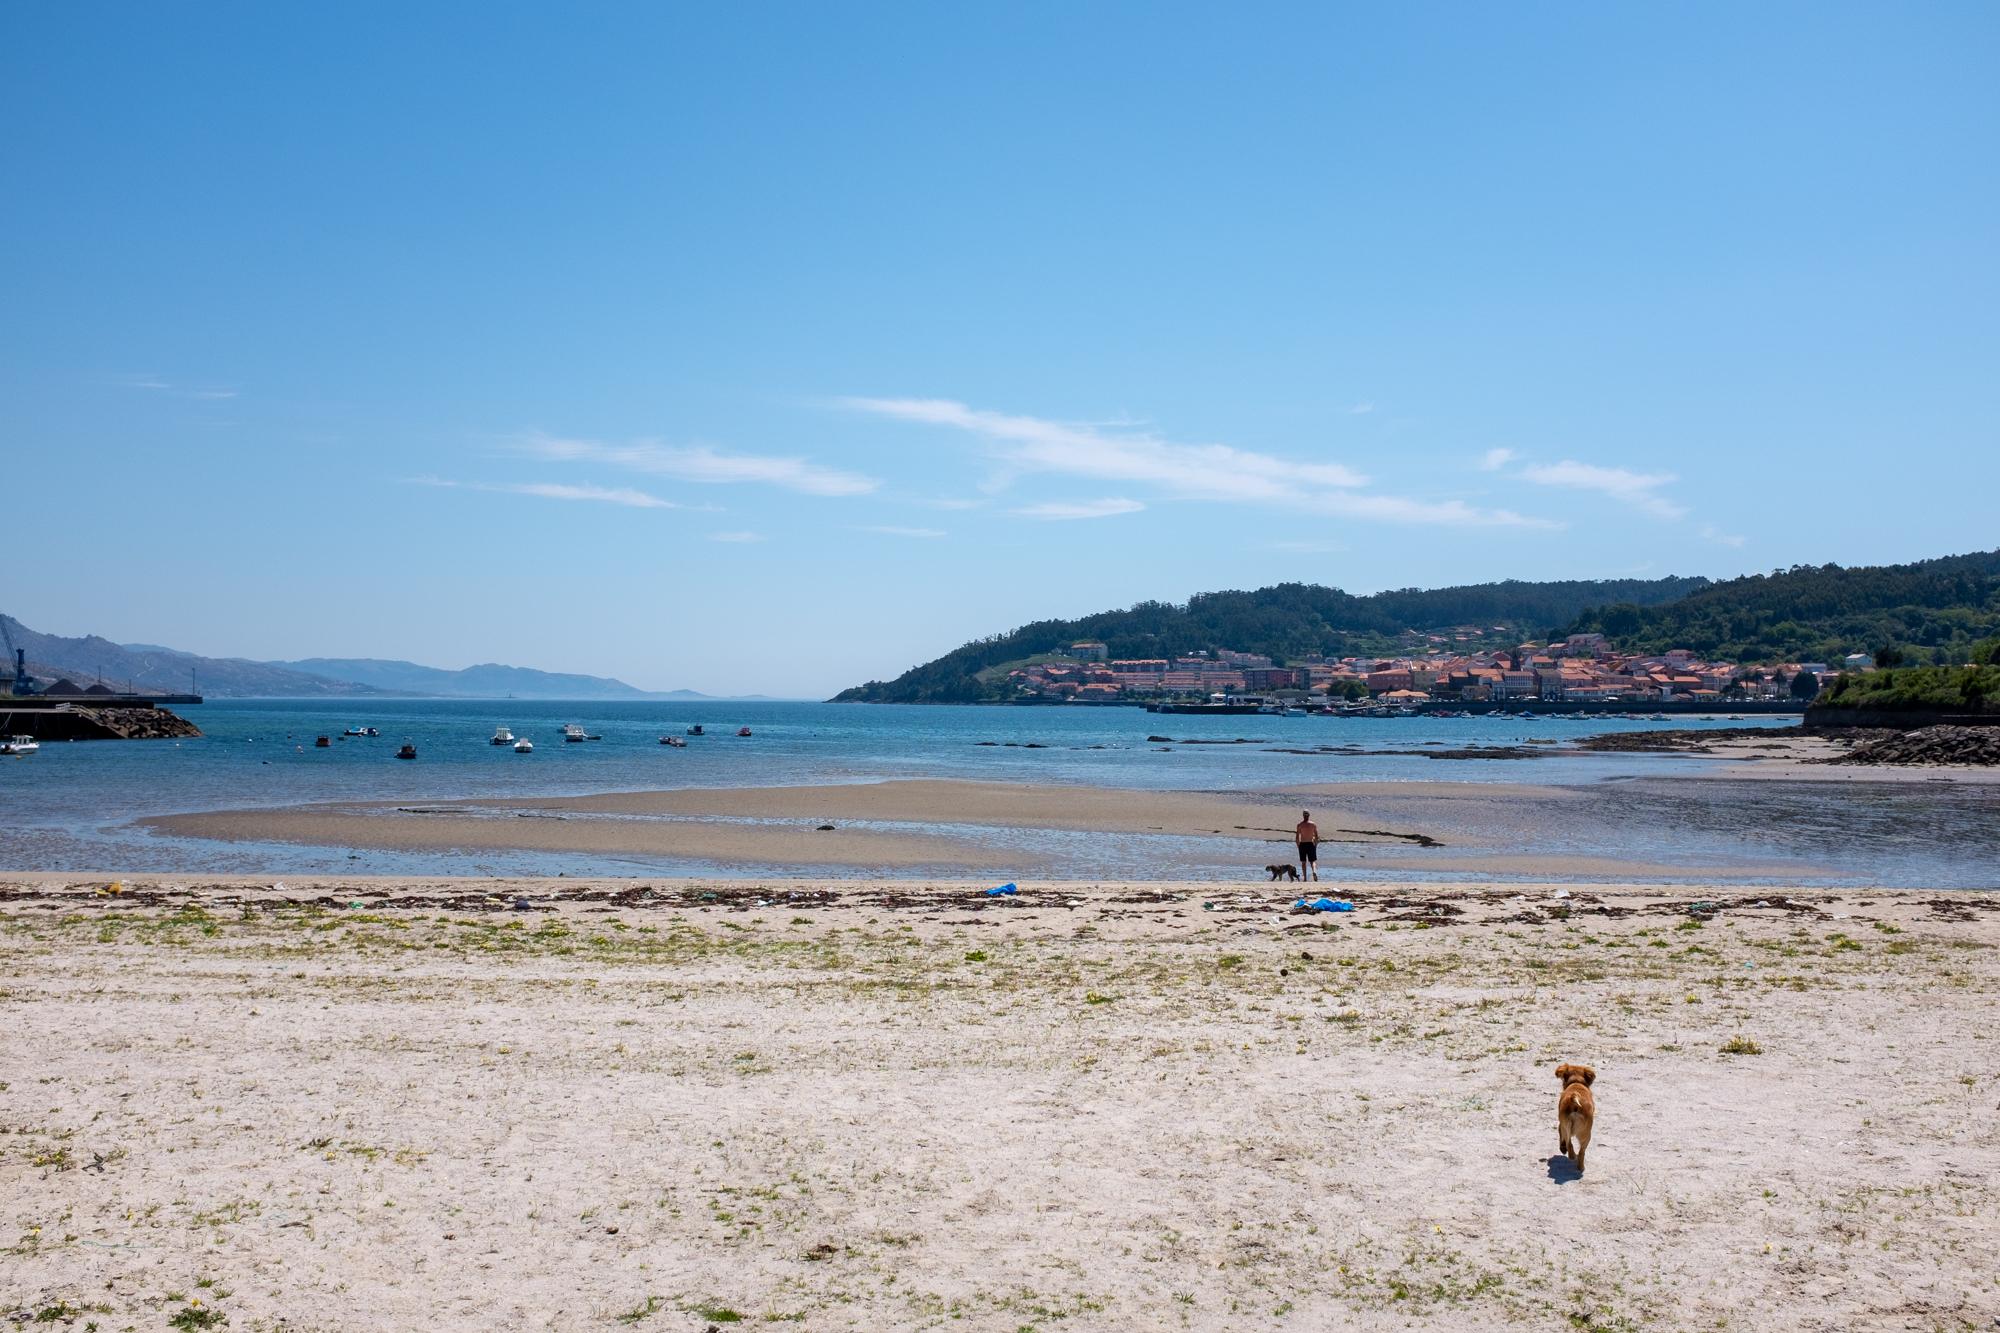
column 572, row 732
column 524, row 746
column 674, row 741
column 502, row 736
column 21, row 745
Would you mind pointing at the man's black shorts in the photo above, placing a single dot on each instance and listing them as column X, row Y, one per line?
column 1309, row 851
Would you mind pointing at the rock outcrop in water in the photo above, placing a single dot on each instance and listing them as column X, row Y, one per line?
column 1928, row 745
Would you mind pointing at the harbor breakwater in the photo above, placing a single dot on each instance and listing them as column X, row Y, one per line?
column 132, row 720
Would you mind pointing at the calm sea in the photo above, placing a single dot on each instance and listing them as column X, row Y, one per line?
column 72, row 806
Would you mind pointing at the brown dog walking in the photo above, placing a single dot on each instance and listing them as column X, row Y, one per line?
column 1576, row 1108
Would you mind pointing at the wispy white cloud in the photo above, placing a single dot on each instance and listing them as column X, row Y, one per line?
column 1442, row 513
column 1641, row 490
column 736, row 536
column 1204, row 471
column 700, row 463
column 1495, row 459
column 1709, row 532
column 1217, row 472
column 552, row 490
column 1060, row 509
column 157, row 384
column 891, row 530
column 1360, row 409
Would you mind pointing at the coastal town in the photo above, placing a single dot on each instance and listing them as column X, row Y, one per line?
column 1581, row 669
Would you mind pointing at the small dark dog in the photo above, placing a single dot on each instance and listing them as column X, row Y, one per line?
column 1283, row 872
column 1576, row 1112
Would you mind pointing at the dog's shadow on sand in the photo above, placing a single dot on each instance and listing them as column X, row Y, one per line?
column 1561, row 1171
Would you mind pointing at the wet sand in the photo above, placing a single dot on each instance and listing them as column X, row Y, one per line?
column 945, row 827
column 783, row 825
column 902, row 1105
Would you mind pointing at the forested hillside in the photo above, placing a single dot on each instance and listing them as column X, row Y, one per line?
column 1933, row 611
column 1286, row 621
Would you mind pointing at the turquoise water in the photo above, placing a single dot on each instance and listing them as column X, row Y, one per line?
column 72, row 806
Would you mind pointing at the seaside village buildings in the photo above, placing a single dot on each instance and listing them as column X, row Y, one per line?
column 1581, row 668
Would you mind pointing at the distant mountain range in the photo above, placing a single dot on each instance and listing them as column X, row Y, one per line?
column 488, row 680
column 1930, row 611
column 151, row 669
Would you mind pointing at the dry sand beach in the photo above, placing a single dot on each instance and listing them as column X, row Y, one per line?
column 369, row 1104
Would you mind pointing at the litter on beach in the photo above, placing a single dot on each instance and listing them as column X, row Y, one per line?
column 1323, row 905
column 1004, row 891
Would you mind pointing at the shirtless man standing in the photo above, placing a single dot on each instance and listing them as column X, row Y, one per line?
column 1306, row 835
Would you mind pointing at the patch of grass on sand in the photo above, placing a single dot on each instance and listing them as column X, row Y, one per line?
column 644, row 1310
column 715, row 1314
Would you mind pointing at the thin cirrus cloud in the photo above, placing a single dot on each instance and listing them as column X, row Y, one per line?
column 700, row 463
column 1066, row 509
column 892, row 530
column 1033, row 445
column 1711, row 533
column 1641, row 490
column 553, row 490
column 157, row 384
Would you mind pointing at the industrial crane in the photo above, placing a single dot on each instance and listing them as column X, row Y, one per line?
column 24, row 684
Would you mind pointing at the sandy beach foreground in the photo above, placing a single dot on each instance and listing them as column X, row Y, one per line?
column 668, row 1104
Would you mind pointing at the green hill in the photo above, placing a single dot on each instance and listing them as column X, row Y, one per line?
column 1934, row 611
column 1287, row 621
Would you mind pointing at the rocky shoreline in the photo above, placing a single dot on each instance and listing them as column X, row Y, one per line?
column 1926, row 745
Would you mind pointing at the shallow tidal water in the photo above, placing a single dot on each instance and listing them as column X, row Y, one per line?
column 74, row 807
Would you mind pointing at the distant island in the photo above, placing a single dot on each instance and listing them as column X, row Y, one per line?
column 1745, row 633
column 144, row 668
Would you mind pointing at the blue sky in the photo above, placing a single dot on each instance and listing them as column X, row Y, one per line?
column 775, row 348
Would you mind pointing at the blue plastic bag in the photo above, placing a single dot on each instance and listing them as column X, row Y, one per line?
column 1325, row 905
column 1004, row 891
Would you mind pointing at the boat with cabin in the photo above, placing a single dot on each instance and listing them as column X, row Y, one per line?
column 408, row 751
column 502, row 736
column 20, row 745
column 572, row 732
column 524, row 746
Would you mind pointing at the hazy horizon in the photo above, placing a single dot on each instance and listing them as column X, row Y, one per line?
column 769, row 352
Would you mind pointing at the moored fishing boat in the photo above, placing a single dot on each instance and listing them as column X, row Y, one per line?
column 524, row 746
column 502, row 736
